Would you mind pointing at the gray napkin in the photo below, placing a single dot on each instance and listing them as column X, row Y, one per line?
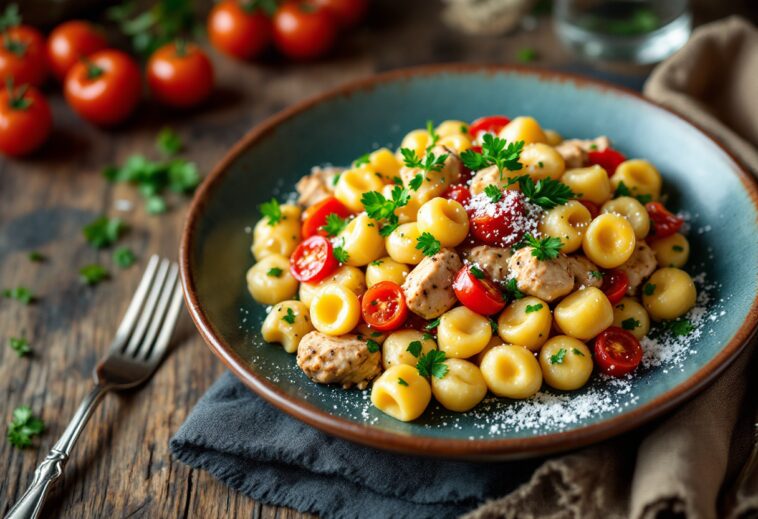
column 269, row 456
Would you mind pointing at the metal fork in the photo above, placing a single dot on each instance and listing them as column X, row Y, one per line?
column 141, row 341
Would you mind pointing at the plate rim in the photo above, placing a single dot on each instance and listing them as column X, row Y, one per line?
column 425, row 445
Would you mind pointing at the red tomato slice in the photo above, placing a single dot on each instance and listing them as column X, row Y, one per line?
column 609, row 159
column 384, row 307
column 617, row 352
column 615, row 285
column 459, row 193
column 591, row 207
column 476, row 292
column 501, row 226
column 490, row 123
column 664, row 223
column 315, row 216
column 313, row 260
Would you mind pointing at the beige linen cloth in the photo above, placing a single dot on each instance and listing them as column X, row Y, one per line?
column 684, row 465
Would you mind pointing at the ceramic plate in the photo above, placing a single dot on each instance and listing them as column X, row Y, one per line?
column 702, row 180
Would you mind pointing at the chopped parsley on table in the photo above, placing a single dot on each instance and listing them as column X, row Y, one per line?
column 169, row 143
column 93, row 274
column 20, row 345
column 20, row 294
column 124, row 257
column 23, row 427
column 526, row 55
column 36, row 256
column 103, row 232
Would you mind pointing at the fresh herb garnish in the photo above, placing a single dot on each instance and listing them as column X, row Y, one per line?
column 546, row 193
column 427, row 336
column 432, row 364
column 476, row 272
column 416, row 182
column 376, row 263
column 363, row 159
column 20, row 345
column 372, row 346
column 428, row 244
column 680, row 327
column 512, row 288
column 533, row 308
column 272, row 211
column 677, row 248
column 11, row 17
column 526, row 55
column 274, row 272
column 168, row 142
column 596, row 274
column 340, row 254
column 401, row 381
column 23, row 427
column 334, row 224
column 103, row 231
column 431, row 325
column 544, row 249
column 494, row 193
column 493, row 325
column 414, row 348
column 20, row 294
column 557, row 357
column 290, row 317
column 495, row 152
column 623, row 190
column 648, row 289
column 433, row 135
column 630, row 324
column 124, row 257
column 379, row 208
column 429, row 163
column 577, row 352
column 93, row 274
column 36, row 256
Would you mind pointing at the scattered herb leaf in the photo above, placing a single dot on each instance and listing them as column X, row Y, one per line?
column 23, row 427
column 630, row 324
column 103, row 231
column 334, row 224
column 124, row 257
column 557, row 357
column 93, row 274
column 428, row 244
column 372, row 346
column 414, row 348
column 274, row 272
column 544, row 249
column 533, row 308
column 290, row 317
column 432, row 364
column 272, row 211
column 402, row 382
column 20, row 345
column 20, row 294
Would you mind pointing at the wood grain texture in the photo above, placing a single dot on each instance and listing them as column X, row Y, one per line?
column 121, row 466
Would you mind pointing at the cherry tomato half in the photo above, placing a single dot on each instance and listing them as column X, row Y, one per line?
column 348, row 13
column 22, row 56
column 663, row 222
column 501, row 226
column 25, row 120
column 180, row 75
column 617, row 352
column 490, row 123
column 615, row 285
column 476, row 292
column 459, row 193
column 303, row 30
column 591, row 207
column 609, row 159
column 105, row 88
column 71, row 41
column 239, row 29
column 313, row 260
column 315, row 216
column 384, row 307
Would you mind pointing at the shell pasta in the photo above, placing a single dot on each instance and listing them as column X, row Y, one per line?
column 496, row 257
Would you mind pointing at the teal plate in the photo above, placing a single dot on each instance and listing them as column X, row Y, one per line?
column 703, row 181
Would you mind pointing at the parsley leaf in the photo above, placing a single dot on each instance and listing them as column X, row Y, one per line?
column 290, row 317
column 38, row 257
column 23, row 427
column 557, row 357
column 168, row 142
column 431, row 325
column 334, row 224
column 20, row 345
column 155, row 205
column 433, row 135
column 340, row 254
column 677, row 248
column 20, row 294
column 414, row 348
column 430, row 162
column 428, row 244
column 432, row 364
column 512, row 288
column 493, row 325
column 623, row 190
column 546, row 193
column 372, row 346
column 103, row 231
column 93, row 274
column 476, row 272
column 124, row 257
column 416, row 182
column 630, row 324
column 533, row 308
column 648, row 289
column 376, row 263
column 274, row 272
column 495, row 152
column 577, row 352
column 494, row 193
column 596, row 274
column 363, row 159
column 526, row 55
column 401, row 381
column 544, row 249
column 379, row 208
column 680, row 327
column 271, row 211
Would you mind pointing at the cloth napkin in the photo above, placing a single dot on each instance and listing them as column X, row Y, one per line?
column 682, row 465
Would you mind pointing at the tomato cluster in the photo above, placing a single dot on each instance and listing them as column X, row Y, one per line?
column 301, row 29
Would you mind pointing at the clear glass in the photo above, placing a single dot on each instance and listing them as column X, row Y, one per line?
column 636, row 31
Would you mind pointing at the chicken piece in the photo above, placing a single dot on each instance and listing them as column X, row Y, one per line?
column 338, row 360
column 546, row 279
column 316, row 186
column 574, row 151
column 639, row 266
column 492, row 260
column 586, row 274
column 428, row 288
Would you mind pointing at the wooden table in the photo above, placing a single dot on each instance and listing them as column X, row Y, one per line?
column 122, row 466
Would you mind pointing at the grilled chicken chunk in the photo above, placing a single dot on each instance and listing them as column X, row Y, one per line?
column 341, row 360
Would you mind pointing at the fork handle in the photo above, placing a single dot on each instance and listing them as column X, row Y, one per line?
column 31, row 503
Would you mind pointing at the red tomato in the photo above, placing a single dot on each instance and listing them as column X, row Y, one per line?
column 313, row 260
column 22, row 56
column 348, row 13
column 180, row 75
column 617, row 352
column 25, row 120
column 663, row 222
column 384, row 307
column 239, row 29
column 502, row 225
column 490, row 123
column 303, row 30
column 71, row 41
column 609, row 159
column 105, row 88
column 591, row 207
column 315, row 216
column 459, row 193
column 615, row 285
column 476, row 292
